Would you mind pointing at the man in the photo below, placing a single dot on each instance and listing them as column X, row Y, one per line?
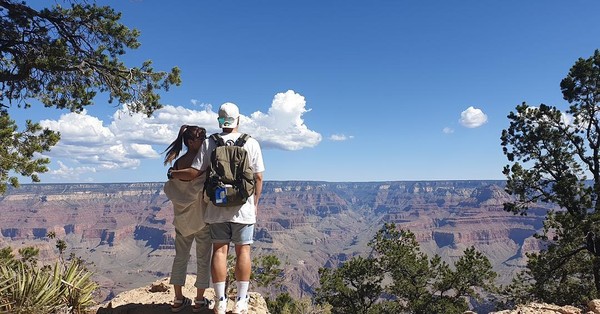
column 230, row 224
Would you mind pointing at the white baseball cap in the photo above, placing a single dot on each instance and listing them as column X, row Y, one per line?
column 228, row 115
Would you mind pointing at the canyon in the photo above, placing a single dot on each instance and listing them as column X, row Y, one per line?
column 124, row 230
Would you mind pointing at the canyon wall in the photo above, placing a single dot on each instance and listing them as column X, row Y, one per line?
column 125, row 228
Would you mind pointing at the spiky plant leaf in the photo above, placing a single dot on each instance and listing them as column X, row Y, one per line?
column 32, row 290
column 5, row 286
column 78, row 286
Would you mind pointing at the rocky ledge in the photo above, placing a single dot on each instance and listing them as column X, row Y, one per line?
column 158, row 296
column 593, row 307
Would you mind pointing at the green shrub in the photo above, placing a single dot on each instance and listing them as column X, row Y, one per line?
column 5, row 284
column 64, row 287
column 32, row 290
column 78, row 286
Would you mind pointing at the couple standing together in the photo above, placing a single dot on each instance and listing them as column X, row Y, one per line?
column 209, row 225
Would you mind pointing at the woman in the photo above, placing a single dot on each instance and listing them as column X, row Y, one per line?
column 188, row 207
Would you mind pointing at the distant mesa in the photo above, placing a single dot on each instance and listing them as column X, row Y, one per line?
column 126, row 230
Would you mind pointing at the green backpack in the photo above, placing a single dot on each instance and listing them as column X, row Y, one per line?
column 229, row 177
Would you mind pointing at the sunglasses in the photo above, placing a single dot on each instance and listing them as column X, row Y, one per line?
column 226, row 121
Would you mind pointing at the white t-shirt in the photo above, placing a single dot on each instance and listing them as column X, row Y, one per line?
column 243, row 214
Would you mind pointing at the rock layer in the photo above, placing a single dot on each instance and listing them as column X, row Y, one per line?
column 126, row 230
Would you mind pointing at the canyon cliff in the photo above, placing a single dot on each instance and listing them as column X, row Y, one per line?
column 125, row 229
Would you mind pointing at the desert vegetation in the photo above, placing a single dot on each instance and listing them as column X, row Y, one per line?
column 62, row 287
column 63, row 56
column 554, row 158
column 399, row 278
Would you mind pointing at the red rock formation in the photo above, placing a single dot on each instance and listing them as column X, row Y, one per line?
column 126, row 228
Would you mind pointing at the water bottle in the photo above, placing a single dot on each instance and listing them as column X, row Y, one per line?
column 221, row 195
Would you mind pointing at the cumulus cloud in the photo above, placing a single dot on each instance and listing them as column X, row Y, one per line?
column 448, row 130
column 89, row 144
column 282, row 126
column 142, row 151
column 70, row 173
column 340, row 137
column 86, row 141
column 80, row 129
column 162, row 127
column 472, row 118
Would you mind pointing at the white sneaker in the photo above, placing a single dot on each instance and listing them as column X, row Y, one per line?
column 220, row 306
column 241, row 306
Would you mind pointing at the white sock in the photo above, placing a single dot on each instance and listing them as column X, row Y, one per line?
column 242, row 289
column 219, row 289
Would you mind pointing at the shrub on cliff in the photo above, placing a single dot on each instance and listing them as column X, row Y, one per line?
column 64, row 286
column 399, row 278
column 554, row 158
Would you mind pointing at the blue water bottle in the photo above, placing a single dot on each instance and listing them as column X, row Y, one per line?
column 221, row 195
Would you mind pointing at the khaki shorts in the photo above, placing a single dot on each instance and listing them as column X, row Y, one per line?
column 227, row 232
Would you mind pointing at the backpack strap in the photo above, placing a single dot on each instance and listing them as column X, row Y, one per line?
column 242, row 140
column 218, row 139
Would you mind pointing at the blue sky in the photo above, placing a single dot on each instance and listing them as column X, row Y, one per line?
column 334, row 90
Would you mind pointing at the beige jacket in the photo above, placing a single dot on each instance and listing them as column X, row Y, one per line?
column 188, row 204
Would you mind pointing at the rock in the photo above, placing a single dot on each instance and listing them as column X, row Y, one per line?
column 541, row 308
column 161, row 287
column 318, row 223
column 594, row 306
column 157, row 297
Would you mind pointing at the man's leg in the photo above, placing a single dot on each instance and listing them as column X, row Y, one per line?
column 219, row 275
column 220, row 234
column 243, row 263
column 219, row 262
column 242, row 237
column 243, row 269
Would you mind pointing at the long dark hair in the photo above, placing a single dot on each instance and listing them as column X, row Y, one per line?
column 186, row 133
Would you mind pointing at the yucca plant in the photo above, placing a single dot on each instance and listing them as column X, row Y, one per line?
column 31, row 290
column 78, row 286
column 26, row 289
column 64, row 287
column 5, row 285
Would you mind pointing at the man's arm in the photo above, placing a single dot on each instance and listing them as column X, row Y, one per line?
column 192, row 172
column 258, row 183
column 186, row 174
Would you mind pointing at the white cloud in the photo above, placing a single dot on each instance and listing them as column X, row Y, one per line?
column 85, row 141
column 70, row 174
column 448, row 130
column 92, row 145
column 340, row 137
column 472, row 118
column 159, row 129
column 142, row 151
column 282, row 126
column 80, row 129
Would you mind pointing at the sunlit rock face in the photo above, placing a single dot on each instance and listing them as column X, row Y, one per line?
column 125, row 229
